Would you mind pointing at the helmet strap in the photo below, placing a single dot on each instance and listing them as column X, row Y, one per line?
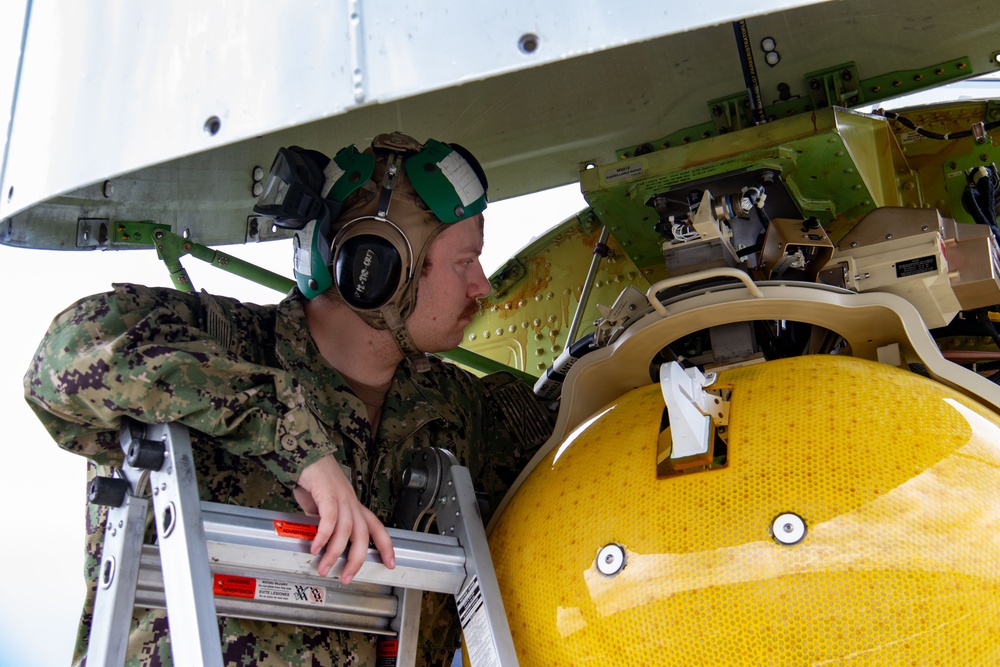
column 390, row 313
column 388, row 183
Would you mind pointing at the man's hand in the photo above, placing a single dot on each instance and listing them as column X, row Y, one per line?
column 326, row 492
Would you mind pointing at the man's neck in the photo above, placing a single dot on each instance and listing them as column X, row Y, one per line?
column 348, row 344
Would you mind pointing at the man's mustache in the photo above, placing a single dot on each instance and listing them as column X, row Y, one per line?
column 473, row 309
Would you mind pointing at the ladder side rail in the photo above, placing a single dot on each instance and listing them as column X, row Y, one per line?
column 407, row 626
column 486, row 632
column 116, row 583
column 187, row 581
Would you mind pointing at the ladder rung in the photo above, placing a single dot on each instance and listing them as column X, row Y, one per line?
column 321, row 602
column 244, row 543
column 243, row 537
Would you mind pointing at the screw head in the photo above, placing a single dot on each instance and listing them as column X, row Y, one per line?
column 788, row 529
column 611, row 559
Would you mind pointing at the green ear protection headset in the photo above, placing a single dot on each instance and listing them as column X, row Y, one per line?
column 370, row 259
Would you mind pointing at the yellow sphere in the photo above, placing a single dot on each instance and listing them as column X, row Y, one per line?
column 896, row 480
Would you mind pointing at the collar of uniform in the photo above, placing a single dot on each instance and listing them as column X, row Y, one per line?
column 326, row 393
column 415, row 399
column 412, row 401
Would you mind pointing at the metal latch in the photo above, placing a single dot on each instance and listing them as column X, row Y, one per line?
column 691, row 412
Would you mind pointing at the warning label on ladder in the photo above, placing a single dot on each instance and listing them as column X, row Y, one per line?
column 387, row 652
column 232, row 586
column 476, row 632
column 302, row 531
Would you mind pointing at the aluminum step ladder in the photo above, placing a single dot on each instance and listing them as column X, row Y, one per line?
column 220, row 559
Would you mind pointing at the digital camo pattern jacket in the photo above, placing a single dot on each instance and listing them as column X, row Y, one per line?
column 262, row 404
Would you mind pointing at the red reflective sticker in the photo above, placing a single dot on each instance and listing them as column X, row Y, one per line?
column 301, row 531
column 231, row 586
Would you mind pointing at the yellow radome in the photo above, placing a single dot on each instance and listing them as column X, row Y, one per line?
column 856, row 521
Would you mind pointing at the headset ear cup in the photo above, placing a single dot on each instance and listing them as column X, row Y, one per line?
column 367, row 270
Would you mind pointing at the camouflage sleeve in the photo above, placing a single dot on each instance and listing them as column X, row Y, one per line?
column 140, row 353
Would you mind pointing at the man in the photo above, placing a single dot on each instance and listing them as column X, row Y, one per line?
column 318, row 402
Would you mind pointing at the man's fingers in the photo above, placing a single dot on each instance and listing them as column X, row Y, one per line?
column 338, row 539
column 324, row 487
column 356, row 554
column 380, row 537
column 328, row 521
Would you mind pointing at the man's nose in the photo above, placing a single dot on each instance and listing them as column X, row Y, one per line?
column 479, row 284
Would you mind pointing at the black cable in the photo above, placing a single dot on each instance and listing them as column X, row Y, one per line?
column 749, row 250
column 984, row 187
column 983, row 318
column 971, row 205
column 995, row 179
column 909, row 124
column 986, row 365
column 979, row 198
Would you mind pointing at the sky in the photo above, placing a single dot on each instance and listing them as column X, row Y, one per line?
column 44, row 488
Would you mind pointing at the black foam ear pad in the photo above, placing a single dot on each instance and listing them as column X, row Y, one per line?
column 367, row 269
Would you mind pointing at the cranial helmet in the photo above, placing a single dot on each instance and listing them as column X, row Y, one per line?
column 364, row 221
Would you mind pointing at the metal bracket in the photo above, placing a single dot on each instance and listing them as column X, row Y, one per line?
column 138, row 233
column 92, row 233
column 509, row 275
column 836, row 86
column 417, row 505
column 630, row 304
column 731, row 113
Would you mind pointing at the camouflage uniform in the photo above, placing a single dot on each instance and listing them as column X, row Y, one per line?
column 262, row 404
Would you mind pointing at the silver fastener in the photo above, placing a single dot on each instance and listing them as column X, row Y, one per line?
column 611, row 559
column 788, row 529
